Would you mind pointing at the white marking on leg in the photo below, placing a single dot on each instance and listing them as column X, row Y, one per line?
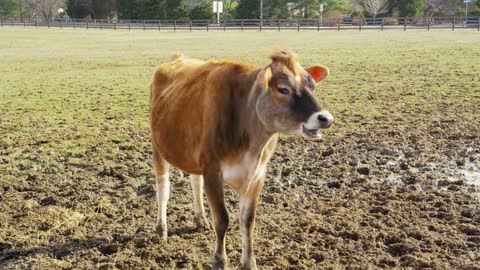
column 197, row 189
column 162, row 186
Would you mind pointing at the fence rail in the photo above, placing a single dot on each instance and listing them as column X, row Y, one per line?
column 256, row 24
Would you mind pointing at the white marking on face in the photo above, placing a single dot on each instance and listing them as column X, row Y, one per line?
column 314, row 123
column 297, row 78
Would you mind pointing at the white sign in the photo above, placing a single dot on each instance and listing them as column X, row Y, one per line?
column 290, row 6
column 466, row 1
column 321, row 8
column 218, row 6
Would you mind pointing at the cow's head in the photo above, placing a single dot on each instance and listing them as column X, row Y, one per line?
column 287, row 104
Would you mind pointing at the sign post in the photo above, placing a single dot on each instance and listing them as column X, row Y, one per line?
column 261, row 13
column 321, row 14
column 466, row 10
column 218, row 8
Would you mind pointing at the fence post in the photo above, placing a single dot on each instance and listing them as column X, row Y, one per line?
column 242, row 25
column 190, row 25
column 405, row 23
column 428, row 24
column 208, row 22
column 260, row 25
column 114, row 26
column 128, row 24
column 318, row 25
column 23, row 22
column 338, row 24
column 382, row 23
column 87, row 24
column 224, row 24
column 48, row 20
column 159, row 22
column 175, row 26
column 74, row 25
column 278, row 25
column 360, row 24
column 1, row 21
column 298, row 25
column 453, row 23
column 478, row 25
column 143, row 25
column 36, row 22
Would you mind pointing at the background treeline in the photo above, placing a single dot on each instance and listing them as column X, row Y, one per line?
column 240, row 9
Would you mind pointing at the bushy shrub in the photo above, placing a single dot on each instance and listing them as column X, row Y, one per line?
column 332, row 17
column 390, row 21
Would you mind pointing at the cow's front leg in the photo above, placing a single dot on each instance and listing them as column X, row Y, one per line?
column 248, row 207
column 214, row 190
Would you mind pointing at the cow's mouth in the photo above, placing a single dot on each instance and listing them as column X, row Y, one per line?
column 311, row 134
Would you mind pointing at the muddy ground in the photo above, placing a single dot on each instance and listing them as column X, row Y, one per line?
column 366, row 200
column 388, row 188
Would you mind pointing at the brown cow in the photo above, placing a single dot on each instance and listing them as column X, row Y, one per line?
column 218, row 121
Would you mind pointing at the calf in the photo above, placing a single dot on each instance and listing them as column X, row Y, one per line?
column 219, row 121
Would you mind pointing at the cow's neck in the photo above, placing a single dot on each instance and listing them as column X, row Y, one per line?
column 259, row 135
column 248, row 162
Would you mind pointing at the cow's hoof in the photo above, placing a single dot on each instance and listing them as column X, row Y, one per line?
column 162, row 231
column 251, row 264
column 219, row 262
column 202, row 224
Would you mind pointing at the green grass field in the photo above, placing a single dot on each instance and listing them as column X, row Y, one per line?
column 75, row 151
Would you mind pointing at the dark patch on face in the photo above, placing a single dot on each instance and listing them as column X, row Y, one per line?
column 304, row 105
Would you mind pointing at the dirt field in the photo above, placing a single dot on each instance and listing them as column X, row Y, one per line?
column 391, row 186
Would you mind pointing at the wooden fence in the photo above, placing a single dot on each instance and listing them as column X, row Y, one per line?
column 381, row 24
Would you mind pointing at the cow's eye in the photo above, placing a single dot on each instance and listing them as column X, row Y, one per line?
column 283, row 91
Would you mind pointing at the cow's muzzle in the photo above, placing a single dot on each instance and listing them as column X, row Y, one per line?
column 310, row 130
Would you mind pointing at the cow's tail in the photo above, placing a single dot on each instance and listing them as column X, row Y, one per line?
column 177, row 56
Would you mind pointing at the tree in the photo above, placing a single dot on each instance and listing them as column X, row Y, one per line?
column 375, row 7
column 7, row 8
column 447, row 7
column 248, row 9
column 152, row 9
column 411, row 8
column 96, row 9
column 201, row 11
column 229, row 7
column 46, row 8
column 310, row 8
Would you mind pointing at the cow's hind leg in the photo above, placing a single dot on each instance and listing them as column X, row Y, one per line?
column 162, row 187
column 198, row 208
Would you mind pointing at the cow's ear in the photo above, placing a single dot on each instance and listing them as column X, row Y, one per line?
column 264, row 77
column 318, row 72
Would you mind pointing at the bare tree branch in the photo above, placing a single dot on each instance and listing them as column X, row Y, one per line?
column 375, row 7
column 448, row 7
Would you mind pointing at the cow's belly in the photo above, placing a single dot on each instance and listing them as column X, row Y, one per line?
column 181, row 152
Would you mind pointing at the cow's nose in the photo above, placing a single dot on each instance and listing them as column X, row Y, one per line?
column 325, row 118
